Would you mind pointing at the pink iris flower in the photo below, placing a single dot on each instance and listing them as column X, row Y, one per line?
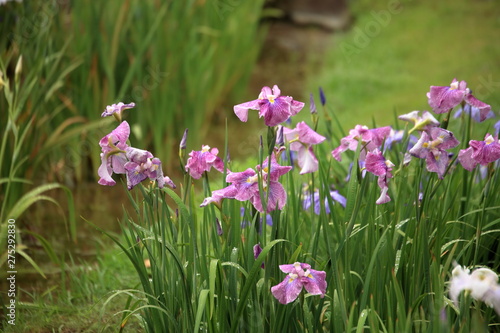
column 431, row 146
column 113, row 156
column 245, row 187
column 301, row 139
column 377, row 164
column 369, row 138
column 204, row 160
column 299, row 276
column 443, row 99
column 480, row 152
column 116, row 110
column 271, row 105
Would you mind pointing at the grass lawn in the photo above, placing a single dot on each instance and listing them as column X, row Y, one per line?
column 393, row 53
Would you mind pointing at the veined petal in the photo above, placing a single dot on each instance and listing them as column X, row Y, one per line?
column 105, row 171
column 307, row 135
column 277, row 112
column 277, row 196
column 241, row 110
column 465, row 158
column 288, row 290
column 307, row 160
column 295, row 107
column 315, row 282
column 384, row 198
column 484, row 109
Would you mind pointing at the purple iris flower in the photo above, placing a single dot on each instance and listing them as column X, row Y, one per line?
column 442, row 99
column 431, row 146
column 201, row 161
column 245, row 186
column 314, row 199
column 480, row 152
column 141, row 165
column 379, row 166
column 301, row 139
column 113, row 156
column 474, row 112
column 271, row 105
column 299, row 276
column 369, row 138
column 422, row 123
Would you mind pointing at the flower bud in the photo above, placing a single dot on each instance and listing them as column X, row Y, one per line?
column 322, row 96
column 312, row 105
column 19, row 68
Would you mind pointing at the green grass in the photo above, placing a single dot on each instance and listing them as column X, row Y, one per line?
column 77, row 300
column 424, row 43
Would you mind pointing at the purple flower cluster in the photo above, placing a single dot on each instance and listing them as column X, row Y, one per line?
column 120, row 158
column 370, row 154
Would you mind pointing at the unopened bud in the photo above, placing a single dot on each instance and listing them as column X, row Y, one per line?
column 322, row 96
column 312, row 105
column 280, row 140
column 19, row 68
column 183, row 143
column 218, row 226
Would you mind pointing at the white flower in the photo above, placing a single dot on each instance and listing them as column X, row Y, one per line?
column 482, row 284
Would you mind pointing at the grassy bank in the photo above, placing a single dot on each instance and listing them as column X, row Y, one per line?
column 397, row 49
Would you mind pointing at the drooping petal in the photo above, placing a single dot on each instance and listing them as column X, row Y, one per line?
column 307, row 160
column 105, row 171
column 384, row 198
column 375, row 163
column 442, row 98
column 315, row 282
column 460, row 281
column 134, row 175
column 277, row 196
column 437, row 161
column 307, row 135
column 465, row 158
column 288, row 290
column 241, row 110
column 483, row 108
